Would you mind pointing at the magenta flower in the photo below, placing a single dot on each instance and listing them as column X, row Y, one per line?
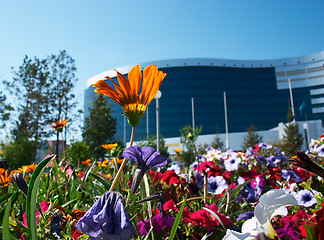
column 146, row 158
column 106, row 219
column 159, row 224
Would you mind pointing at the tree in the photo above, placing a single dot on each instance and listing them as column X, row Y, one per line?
column 77, row 152
column 99, row 127
column 292, row 139
column 62, row 78
column 189, row 137
column 217, row 143
column 17, row 153
column 251, row 138
column 31, row 88
column 4, row 110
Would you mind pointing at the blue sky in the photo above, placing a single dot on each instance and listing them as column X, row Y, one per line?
column 103, row 34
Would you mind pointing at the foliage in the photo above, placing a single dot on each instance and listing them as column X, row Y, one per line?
column 18, row 153
column 99, row 126
column 251, row 138
column 217, row 143
column 189, row 136
column 5, row 110
column 31, row 88
column 71, row 190
column 151, row 142
column 77, row 152
column 292, row 139
column 43, row 90
column 62, row 78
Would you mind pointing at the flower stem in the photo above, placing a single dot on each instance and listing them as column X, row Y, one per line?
column 123, row 163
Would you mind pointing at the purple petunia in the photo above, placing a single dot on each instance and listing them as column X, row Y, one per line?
column 320, row 150
column 273, row 160
column 146, row 158
column 306, row 198
column 246, row 215
column 290, row 175
column 106, row 219
column 159, row 224
column 216, row 185
column 232, row 163
column 265, row 146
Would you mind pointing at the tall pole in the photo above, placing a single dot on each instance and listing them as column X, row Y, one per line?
column 157, row 96
column 226, row 122
column 291, row 100
column 193, row 113
column 124, row 130
column 147, row 123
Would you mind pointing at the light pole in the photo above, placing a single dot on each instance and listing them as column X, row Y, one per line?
column 157, row 97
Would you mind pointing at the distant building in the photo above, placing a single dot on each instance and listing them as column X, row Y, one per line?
column 257, row 93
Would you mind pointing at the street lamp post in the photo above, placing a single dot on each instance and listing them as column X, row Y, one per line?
column 157, row 97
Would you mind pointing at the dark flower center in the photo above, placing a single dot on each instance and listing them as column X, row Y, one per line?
column 306, row 198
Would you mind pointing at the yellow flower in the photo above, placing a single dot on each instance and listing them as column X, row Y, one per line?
column 118, row 161
column 103, row 164
column 86, row 162
column 59, row 125
column 0, row 151
column 178, row 150
column 109, row 146
column 4, row 178
column 127, row 92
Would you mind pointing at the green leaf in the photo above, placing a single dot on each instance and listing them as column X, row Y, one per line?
column 86, row 175
column 2, row 199
column 311, row 232
column 101, row 180
column 5, row 222
column 32, row 195
column 177, row 221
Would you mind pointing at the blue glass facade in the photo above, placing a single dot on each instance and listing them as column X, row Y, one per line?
column 252, row 96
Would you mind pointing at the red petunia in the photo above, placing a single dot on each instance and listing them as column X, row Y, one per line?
column 320, row 223
column 156, row 176
column 170, row 177
column 204, row 218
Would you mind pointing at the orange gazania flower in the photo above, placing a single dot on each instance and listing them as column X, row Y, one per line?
column 178, row 150
column 59, row 124
column 103, row 163
column 118, row 161
column 4, row 178
column 86, row 161
column 27, row 169
column 127, row 92
column 109, row 146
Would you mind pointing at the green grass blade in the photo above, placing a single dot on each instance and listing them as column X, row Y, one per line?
column 32, row 195
column 102, row 181
column 177, row 221
column 3, row 208
column 5, row 221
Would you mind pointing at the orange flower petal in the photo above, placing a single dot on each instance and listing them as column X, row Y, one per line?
column 135, row 78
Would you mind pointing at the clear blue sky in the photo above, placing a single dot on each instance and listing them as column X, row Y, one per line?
column 103, row 34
